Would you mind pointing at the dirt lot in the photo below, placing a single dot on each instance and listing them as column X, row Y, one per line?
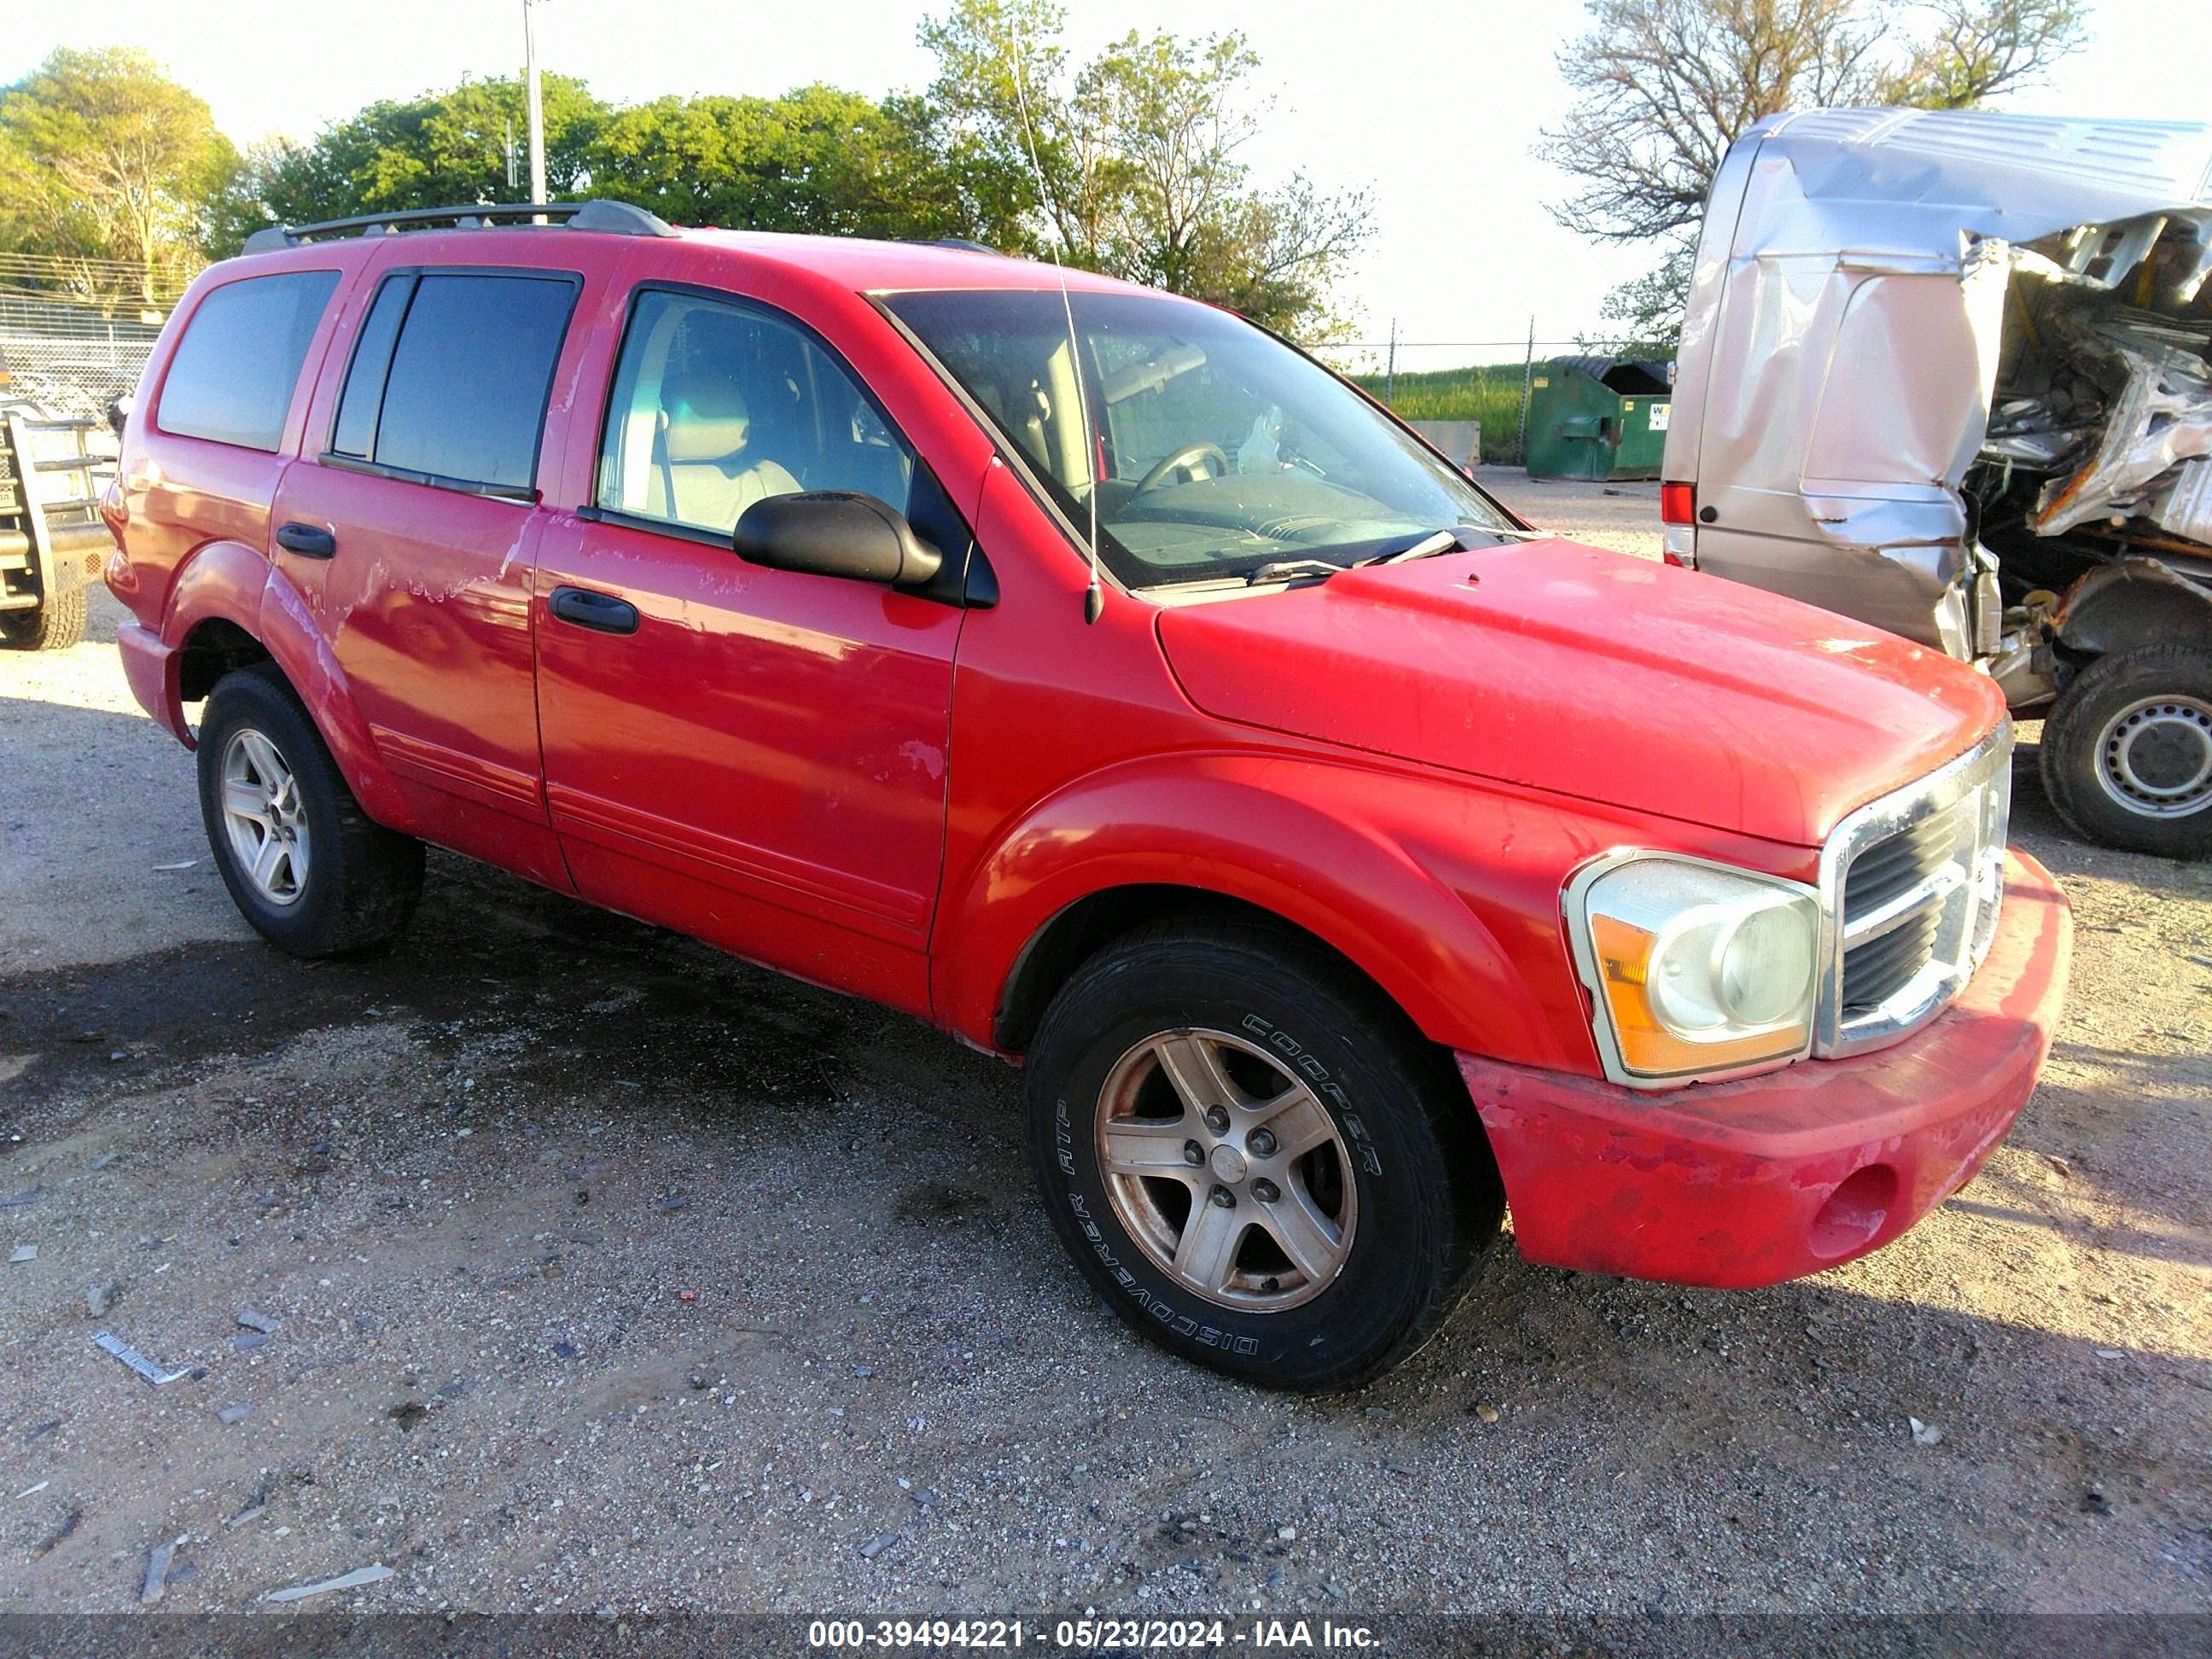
column 607, row 1272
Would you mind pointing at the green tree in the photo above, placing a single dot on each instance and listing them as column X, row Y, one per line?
column 815, row 160
column 440, row 150
column 1664, row 86
column 1008, row 122
column 1133, row 164
column 106, row 162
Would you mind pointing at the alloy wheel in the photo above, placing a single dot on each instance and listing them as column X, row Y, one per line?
column 1226, row 1169
column 264, row 817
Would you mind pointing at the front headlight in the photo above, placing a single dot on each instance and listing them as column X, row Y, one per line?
column 1695, row 970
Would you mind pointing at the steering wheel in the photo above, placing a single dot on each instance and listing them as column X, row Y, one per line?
column 1189, row 456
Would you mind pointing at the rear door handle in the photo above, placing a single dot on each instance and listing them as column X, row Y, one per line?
column 308, row 541
column 601, row 611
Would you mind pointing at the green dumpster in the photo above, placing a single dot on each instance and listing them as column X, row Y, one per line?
column 1598, row 417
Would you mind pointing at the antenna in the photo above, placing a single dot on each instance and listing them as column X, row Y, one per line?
column 1094, row 597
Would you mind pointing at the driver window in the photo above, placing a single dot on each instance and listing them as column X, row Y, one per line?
column 716, row 406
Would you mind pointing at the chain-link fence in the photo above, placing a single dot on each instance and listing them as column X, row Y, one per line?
column 1429, row 380
column 75, row 361
column 69, row 358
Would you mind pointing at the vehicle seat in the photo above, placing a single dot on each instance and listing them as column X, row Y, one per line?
column 705, row 478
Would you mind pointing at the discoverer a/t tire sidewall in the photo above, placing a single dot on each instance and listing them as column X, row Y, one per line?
column 1428, row 1197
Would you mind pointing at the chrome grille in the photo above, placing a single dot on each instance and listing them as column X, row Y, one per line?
column 1911, row 884
column 1900, row 882
column 1890, row 868
column 1877, row 971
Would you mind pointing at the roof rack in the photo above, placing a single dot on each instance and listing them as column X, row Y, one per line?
column 613, row 218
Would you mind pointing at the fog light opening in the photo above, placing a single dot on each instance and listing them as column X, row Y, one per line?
column 1855, row 1213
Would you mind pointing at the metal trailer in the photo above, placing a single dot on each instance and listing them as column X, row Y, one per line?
column 53, row 543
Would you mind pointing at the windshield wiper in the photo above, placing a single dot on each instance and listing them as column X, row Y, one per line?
column 1442, row 541
column 1454, row 541
column 1289, row 569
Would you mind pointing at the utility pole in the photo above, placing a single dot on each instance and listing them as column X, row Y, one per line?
column 1390, row 367
column 536, row 103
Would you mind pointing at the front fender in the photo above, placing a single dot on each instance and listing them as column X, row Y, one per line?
column 230, row 582
column 2135, row 601
column 1446, row 896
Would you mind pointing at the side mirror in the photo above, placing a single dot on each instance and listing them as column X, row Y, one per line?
column 835, row 532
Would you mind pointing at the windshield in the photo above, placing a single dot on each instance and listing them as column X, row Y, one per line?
column 1217, row 449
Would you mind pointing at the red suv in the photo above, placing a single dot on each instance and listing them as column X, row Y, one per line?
column 1092, row 674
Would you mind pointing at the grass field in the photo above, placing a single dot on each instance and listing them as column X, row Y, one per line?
column 1490, row 393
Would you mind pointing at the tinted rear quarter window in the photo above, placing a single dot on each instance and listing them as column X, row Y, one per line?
column 463, row 397
column 234, row 372
column 372, row 356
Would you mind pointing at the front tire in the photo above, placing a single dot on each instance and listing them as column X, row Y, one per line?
column 304, row 864
column 2127, row 752
column 1340, row 1189
column 56, row 625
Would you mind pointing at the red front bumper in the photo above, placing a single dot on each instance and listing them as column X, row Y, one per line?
column 1773, row 1177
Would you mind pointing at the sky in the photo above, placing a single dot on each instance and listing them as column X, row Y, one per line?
column 1431, row 107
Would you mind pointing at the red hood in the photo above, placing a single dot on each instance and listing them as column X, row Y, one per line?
column 1567, row 668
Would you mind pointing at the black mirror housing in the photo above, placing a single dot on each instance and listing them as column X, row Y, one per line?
column 835, row 532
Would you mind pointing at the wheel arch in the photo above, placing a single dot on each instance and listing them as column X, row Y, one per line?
column 230, row 609
column 215, row 647
column 2134, row 603
column 1078, row 931
column 1163, row 837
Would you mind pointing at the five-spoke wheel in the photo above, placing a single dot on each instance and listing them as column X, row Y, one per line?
column 261, row 810
column 304, row 864
column 1226, row 1169
column 1255, row 1156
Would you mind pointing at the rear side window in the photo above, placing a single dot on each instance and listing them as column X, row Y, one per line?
column 450, row 377
column 372, row 359
column 234, row 372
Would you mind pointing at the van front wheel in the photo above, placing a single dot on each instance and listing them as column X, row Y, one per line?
column 2127, row 752
column 1255, row 1158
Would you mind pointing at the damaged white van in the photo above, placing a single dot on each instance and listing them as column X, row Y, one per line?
column 1950, row 374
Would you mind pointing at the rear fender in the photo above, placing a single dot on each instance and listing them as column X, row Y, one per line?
column 1388, row 871
column 230, row 582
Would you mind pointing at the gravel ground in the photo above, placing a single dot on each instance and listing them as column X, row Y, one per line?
column 603, row 1272
column 1621, row 516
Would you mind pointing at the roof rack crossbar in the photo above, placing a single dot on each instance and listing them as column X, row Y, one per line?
column 613, row 218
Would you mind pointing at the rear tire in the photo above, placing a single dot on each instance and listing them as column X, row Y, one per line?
column 1330, row 1266
column 56, row 625
column 304, row 864
column 2127, row 752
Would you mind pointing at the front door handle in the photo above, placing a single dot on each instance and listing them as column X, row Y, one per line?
column 602, row 612
column 308, row 541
